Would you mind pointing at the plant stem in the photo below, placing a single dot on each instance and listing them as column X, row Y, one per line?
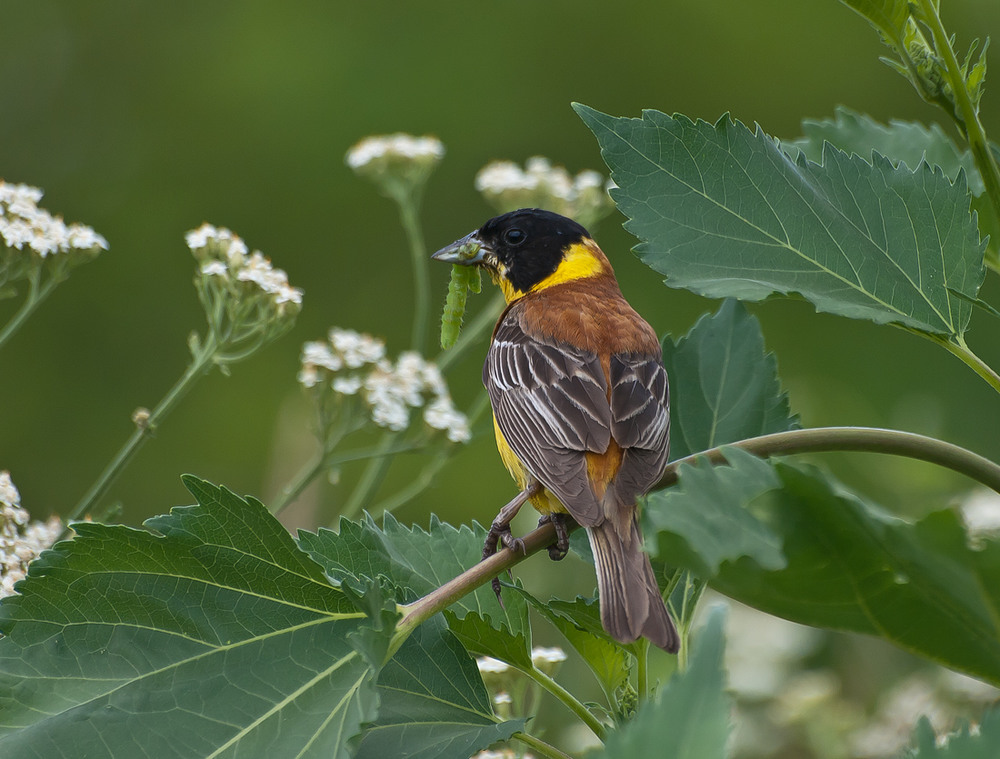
column 408, row 216
column 199, row 365
column 869, row 439
column 961, row 349
column 324, row 461
column 569, row 700
column 642, row 669
column 36, row 296
column 969, row 118
column 541, row 747
column 372, row 477
column 294, row 489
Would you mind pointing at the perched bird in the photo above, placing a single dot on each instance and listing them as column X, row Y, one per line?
column 580, row 403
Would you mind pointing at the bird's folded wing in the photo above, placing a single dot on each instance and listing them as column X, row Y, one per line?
column 550, row 401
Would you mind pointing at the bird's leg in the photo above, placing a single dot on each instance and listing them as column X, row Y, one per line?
column 559, row 549
column 500, row 529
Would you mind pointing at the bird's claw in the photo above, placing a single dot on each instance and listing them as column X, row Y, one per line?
column 559, row 549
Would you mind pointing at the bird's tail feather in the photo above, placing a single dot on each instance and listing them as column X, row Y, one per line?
column 631, row 604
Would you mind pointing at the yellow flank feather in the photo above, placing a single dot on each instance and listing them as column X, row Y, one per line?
column 578, row 262
column 544, row 502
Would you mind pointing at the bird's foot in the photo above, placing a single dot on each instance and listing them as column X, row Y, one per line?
column 559, row 549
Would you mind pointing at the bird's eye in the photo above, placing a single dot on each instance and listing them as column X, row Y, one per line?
column 514, row 236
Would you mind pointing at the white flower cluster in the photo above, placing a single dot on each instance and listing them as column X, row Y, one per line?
column 23, row 223
column 351, row 363
column 224, row 255
column 395, row 147
column 21, row 540
column 507, row 187
column 398, row 164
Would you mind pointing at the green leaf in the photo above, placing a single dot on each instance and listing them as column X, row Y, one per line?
column 217, row 637
column 724, row 212
column 579, row 621
column 689, row 719
column 703, row 521
column 723, row 384
column 888, row 16
column 985, row 744
column 908, row 142
column 418, row 561
column 852, row 567
column 433, row 704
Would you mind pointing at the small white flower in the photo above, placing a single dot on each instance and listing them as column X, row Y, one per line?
column 356, row 349
column 441, row 414
column 21, row 540
column 542, row 655
column 199, row 238
column 347, row 385
column 487, row 664
column 320, row 354
column 215, row 269
column 10, row 497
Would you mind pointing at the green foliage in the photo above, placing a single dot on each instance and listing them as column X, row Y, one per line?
column 432, row 702
column 724, row 212
column 579, row 621
column 703, row 521
column 847, row 565
column 414, row 562
column 203, row 639
column 909, row 142
column 690, row 717
column 723, row 384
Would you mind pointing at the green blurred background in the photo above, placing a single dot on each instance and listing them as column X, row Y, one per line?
column 145, row 119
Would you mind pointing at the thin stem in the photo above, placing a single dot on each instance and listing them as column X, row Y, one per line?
column 37, row 293
column 408, row 216
column 869, row 439
column 642, row 668
column 973, row 127
column 199, row 365
column 294, row 489
column 324, row 461
column 372, row 477
column 980, row 367
column 541, row 747
column 569, row 700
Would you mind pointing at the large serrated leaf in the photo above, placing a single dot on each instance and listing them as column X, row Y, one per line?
column 725, row 212
column 909, row 142
column 218, row 638
column 433, row 704
column 689, row 718
column 703, row 521
column 418, row 561
column 723, row 384
column 850, row 566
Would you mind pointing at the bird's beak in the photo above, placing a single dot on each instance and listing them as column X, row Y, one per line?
column 469, row 251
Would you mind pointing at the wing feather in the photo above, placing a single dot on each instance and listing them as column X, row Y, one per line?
column 550, row 402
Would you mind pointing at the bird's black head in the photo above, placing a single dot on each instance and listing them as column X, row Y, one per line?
column 520, row 248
